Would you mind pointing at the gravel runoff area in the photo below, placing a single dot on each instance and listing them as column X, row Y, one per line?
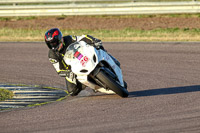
column 112, row 23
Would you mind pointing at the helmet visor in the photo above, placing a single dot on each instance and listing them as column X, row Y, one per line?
column 56, row 45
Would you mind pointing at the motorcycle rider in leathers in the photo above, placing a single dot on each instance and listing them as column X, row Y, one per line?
column 57, row 45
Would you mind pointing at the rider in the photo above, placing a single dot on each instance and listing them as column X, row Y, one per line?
column 57, row 46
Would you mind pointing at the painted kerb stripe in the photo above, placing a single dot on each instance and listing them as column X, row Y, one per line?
column 28, row 95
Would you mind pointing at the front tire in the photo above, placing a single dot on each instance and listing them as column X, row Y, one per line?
column 111, row 84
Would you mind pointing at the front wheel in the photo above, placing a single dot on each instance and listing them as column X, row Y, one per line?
column 111, row 84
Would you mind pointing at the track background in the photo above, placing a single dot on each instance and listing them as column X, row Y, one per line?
column 163, row 81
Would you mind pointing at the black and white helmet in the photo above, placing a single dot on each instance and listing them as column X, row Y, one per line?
column 53, row 39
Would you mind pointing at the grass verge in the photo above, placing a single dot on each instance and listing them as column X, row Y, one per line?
column 128, row 34
column 5, row 94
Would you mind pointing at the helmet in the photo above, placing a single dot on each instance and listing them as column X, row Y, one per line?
column 53, row 39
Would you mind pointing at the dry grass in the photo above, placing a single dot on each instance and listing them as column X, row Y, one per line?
column 5, row 94
column 174, row 34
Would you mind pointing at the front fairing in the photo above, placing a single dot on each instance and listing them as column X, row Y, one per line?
column 81, row 58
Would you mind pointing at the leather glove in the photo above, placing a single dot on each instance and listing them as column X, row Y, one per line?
column 97, row 43
column 95, row 40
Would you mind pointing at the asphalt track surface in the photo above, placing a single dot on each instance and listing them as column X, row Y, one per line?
column 163, row 81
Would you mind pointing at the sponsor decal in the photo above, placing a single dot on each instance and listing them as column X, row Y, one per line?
column 78, row 55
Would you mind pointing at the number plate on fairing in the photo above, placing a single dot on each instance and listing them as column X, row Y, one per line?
column 83, row 59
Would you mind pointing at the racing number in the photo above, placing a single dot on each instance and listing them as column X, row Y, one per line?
column 84, row 61
column 79, row 56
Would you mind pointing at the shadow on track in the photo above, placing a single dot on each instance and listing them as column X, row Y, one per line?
column 165, row 91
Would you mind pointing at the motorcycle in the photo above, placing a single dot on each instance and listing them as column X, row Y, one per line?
column 96, row 69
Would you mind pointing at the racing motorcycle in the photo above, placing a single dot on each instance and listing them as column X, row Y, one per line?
column 96, row 69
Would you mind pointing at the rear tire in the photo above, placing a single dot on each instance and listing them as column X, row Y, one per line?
column 111, row 84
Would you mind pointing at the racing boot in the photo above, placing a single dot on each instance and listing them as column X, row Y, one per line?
column 73, row 88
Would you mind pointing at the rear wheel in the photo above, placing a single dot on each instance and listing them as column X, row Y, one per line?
column 112, row 84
